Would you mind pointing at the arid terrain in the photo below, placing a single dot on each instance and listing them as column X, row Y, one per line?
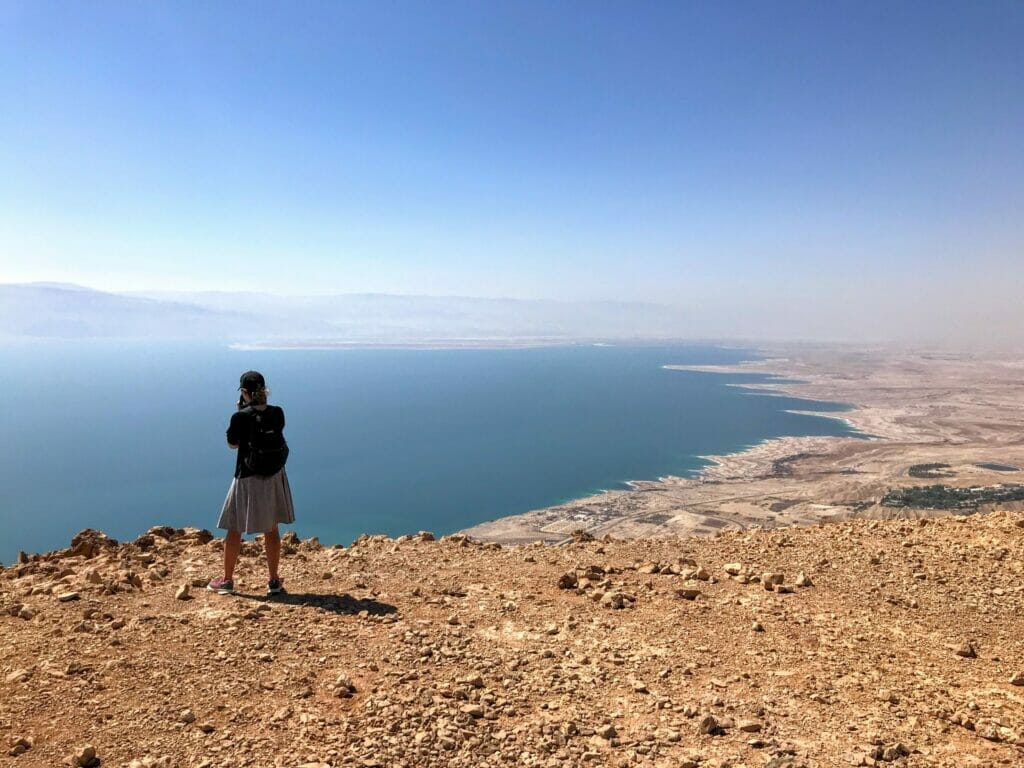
column 853, row 643
column 959, row 410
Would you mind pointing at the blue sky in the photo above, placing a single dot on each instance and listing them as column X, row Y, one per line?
column 675, row 151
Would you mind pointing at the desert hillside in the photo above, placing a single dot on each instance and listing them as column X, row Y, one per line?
column 853, row 643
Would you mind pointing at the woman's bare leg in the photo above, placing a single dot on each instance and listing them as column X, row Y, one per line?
column 232, row 546
column 272, row 543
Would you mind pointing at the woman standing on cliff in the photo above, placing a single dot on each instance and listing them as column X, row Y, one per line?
column 259, row 497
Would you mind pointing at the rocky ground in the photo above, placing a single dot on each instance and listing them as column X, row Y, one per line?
column 853, row 643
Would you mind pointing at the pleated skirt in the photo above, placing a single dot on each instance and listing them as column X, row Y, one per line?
column 255, row 504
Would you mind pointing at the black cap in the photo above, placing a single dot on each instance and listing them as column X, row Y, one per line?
column 252, row 382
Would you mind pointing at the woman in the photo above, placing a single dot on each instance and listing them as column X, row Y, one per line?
column 259, row 497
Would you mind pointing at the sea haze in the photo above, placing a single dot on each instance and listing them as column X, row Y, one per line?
column 121, row 437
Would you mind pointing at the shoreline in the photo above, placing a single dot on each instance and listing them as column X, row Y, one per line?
column 906, row 408
column 717, row 460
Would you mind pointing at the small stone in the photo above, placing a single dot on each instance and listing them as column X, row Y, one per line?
column 757, row 626
column 769, row 579
column 1017, row 678
column 895, row 752
column 26, row 613
column 640, row 687
column 734, row 569
column 343, row 687
column 187, row 716
column 567, row 580
column 701, row 574
column 709, row 726
column 966, row 651
column 473, row 710
column 749, row 726
column 551, row 629
column 607, row 731
column 207, row 728
column 67, row 597
column 182, row 593
column 613, row 600
column 474, row 680
column 687, row 593
column 803, row 580
column 85, row 757
column 18, row 676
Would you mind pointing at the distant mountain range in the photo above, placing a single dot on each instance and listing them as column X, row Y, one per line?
column 54, row 310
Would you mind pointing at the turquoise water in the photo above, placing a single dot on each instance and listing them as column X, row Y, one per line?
column 121, row 437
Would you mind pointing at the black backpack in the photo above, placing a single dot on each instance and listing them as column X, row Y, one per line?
column 268, row 450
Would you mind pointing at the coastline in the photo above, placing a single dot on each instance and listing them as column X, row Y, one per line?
column 974, row 414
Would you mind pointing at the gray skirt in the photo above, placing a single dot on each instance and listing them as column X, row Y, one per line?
column 255, row 504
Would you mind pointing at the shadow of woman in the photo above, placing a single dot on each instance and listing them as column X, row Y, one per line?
column 343, row 604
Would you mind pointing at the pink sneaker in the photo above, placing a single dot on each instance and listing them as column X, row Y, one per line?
column 222, row 586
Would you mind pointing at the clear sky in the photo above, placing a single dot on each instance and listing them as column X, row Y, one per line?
column 683, row 152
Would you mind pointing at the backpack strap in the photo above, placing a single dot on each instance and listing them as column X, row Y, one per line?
column 253, row 421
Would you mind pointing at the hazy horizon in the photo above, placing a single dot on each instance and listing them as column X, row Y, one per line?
column 841, row 171
column 43, row 310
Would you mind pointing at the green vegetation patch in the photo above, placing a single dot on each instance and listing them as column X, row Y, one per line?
column 929, row 470
column 947, row 497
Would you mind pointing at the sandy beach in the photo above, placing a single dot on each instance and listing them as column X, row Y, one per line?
column 915, row 407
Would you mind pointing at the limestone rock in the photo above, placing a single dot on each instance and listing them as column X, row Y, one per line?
column 474, row 680
column 85, row 757
column 88, row 544
column 709, row 726
column 567, row 581
column 343, row 687
column 966, row 651
column 18, row 676
column 20, row 745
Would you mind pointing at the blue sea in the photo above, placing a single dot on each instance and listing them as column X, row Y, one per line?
column 121, row 437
